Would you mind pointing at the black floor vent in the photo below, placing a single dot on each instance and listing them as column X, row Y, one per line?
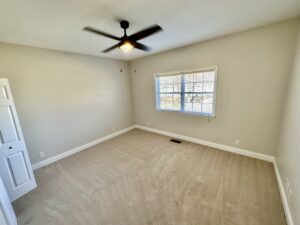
column 176, row 141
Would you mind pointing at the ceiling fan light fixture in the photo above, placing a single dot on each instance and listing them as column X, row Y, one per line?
column 127, row 43
column 126, row 46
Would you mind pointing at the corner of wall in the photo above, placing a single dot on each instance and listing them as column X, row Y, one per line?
column 288, row 176
column 131, row 71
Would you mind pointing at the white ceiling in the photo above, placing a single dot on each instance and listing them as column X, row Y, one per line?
column 57, row 24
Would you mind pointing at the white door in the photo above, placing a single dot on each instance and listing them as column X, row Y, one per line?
column 7, row 214
column 15, row 167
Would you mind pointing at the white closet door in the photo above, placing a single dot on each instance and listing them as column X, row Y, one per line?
column 7, row 214
column 15, row 167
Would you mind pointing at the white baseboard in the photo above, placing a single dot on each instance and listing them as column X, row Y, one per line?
column 284, row 199
column 227, row 148
column 79, row 148
column 239, row 151
column 182, row 137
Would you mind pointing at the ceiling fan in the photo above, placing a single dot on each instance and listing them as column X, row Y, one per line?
column 127, row 43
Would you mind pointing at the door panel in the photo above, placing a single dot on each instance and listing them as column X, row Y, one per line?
column 18, row 169
column 7, row 126
column 15, row 167
column 3, row 92
column 6, row 207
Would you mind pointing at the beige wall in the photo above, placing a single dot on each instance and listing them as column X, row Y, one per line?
column 65, row 100
column 288, row 154
column 254, row 68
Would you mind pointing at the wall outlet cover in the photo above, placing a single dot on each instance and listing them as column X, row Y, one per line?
column 237, row 141
column 42, row 154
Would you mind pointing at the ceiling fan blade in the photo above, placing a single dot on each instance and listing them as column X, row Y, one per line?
column 145, row 33
column 142, row 47
column 96, row 31
column 111, row 48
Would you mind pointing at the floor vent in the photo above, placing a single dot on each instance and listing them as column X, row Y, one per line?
column 176, row 141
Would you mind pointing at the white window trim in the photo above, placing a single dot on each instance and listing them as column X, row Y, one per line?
column 213, row 114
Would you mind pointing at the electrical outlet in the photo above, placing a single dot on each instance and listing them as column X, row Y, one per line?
column 237, row 141
column 42, row 154
column 148, row 123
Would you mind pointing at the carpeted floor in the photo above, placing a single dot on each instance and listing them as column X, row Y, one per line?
column 141, row 178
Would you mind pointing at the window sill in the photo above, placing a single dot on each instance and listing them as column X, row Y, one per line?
column 206, row 115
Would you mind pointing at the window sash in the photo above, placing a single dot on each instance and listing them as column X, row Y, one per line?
column 182, row 93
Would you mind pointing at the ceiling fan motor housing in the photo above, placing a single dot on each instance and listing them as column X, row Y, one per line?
column 124, row 24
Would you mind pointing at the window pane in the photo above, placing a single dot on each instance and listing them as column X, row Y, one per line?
column 198, row 87
column 176, row 102
column 207, row 98
column 177, row 87
column 169, row 83
column 209, row 76
column 198, row 95
column 207, row 108
column 189, row 78
column 177, row 79
column 197, row 100
column 188, row 87
column 162, row 102
column 188, row 104
column 197, row 107
column 188, row 107
column 208, row 86
column 166, row 88
column 168, row 80
column 193, row 102
column 198, row 77
column 170, row 101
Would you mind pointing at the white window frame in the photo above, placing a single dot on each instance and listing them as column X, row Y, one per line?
column 182, row 72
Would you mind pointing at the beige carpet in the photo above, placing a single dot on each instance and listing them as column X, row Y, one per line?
column 141, row 178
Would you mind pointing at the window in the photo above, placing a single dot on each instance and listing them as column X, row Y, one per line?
column 191, row 92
